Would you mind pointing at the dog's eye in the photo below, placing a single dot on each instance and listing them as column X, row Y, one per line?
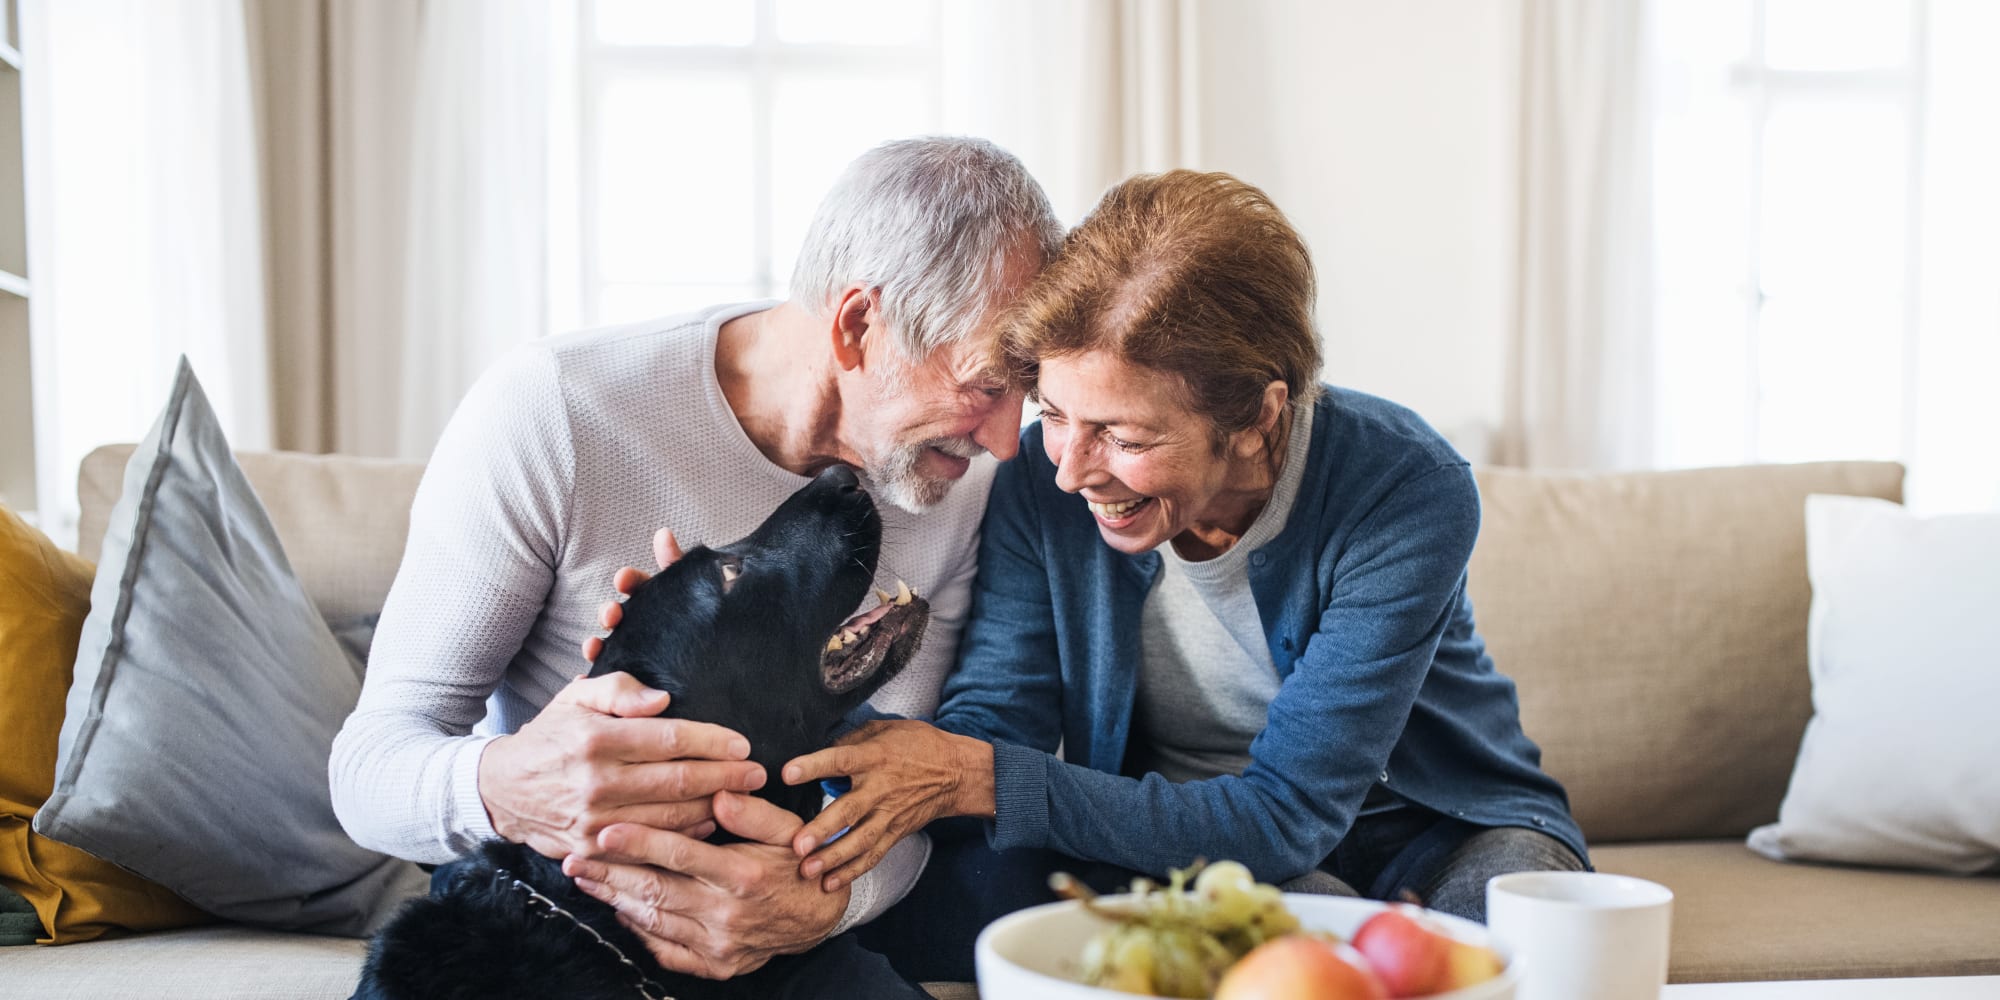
column 731, row 569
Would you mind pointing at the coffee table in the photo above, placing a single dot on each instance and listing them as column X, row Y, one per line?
column 1943, row 988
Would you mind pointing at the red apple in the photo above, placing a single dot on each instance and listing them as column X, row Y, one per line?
column 1415, row 958
column 1300, row 967
column 1411, row 959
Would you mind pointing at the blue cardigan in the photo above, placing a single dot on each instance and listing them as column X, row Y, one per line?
column 1362, row 597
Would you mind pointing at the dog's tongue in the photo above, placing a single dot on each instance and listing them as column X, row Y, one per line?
column 868, row 617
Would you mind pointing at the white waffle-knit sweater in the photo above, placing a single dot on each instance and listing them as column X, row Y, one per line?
column 554, row 472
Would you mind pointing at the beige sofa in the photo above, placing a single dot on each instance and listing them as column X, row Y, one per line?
column 1655, row 624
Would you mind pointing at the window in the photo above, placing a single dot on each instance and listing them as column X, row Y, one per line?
column 706, row 132
column 1788, row 158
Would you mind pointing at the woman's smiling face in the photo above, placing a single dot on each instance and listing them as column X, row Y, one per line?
column 1121, row 438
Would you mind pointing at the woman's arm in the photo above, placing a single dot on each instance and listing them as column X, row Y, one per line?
column 1328, row 734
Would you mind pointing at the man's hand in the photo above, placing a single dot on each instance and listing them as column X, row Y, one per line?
column 666, row 552
column 708, row 910
column 905, row 774
column 595, row 756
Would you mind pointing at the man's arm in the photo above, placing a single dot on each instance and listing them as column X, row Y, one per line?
column 484, row 543
column 486, row 536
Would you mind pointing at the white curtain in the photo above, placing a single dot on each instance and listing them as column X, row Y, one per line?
column 147, row 242
column 1578, row 390
column 1085, row 94
column 476, row 280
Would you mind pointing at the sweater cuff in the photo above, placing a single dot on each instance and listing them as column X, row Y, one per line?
column 887, row 883
column 1020, row 797
column 467, row 824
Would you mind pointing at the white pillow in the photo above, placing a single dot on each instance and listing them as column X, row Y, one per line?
column 1900, row 765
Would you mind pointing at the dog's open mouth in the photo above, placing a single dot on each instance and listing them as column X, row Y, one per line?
column 884, row 637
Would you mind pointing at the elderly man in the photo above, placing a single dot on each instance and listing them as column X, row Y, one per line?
column 572, row 447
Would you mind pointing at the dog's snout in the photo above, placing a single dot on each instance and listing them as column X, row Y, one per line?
column 841, row 478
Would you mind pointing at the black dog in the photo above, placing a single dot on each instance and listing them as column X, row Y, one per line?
column 754, row 636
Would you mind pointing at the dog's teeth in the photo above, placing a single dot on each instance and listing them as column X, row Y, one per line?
column 833, row 645
column 849, row 635
column 903, row 593
column 887, row 598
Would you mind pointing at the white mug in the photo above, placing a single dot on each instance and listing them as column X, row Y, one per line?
column 1583, row 935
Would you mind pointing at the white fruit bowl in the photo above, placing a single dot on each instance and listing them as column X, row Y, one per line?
column 1036, row 954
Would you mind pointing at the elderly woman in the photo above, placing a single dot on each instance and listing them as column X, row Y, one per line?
column 1221, row 609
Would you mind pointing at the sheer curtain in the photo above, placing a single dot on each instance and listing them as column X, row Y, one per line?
column 476, row 279
column 1578, row 389
column 1084, row 93
column 146, row 226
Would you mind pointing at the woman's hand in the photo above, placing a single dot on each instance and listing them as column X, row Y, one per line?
column 905, row 774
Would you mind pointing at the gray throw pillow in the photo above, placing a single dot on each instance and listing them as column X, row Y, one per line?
column 206, row 697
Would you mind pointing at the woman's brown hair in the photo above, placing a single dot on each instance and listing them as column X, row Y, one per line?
column 1195, row 275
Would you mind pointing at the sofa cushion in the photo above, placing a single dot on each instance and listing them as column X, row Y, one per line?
column 72, row 896
column 1655, row 624
column 206, row 695
column 1897, row 767
column 223, row 962
column 1740, row 916
column 341, row 519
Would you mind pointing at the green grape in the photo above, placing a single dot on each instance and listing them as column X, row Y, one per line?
column 1223, row 875
column 1177, row 940
column 1271, row 916
column 1122, row 959
column 1227, row 895
column 1187, row 962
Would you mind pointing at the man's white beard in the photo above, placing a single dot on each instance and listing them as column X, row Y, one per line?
column 897, row 479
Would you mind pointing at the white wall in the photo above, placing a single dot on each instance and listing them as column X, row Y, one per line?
column 1385, row 131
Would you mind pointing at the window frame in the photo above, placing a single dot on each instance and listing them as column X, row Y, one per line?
column 599, row 64
column 1760, row 89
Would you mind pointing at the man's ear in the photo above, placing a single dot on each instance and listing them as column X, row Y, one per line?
column 853, row 317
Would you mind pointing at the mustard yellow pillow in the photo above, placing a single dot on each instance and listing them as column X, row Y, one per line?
column 44, row 596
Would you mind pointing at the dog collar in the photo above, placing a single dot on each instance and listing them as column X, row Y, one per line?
column 536, row 898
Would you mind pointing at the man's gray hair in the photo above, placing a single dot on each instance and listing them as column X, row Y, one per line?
column 930, row 222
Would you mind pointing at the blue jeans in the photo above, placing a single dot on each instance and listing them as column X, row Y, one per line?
column 1443, row 862
column 967, row 885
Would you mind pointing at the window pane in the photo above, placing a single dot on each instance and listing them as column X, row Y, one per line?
column 855, row 22
column 675, row 195
column 676, row 22
column 624, row 303
column 811, row 143
column 1836, row 34
column 1831, row 336
column 1703, row 31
